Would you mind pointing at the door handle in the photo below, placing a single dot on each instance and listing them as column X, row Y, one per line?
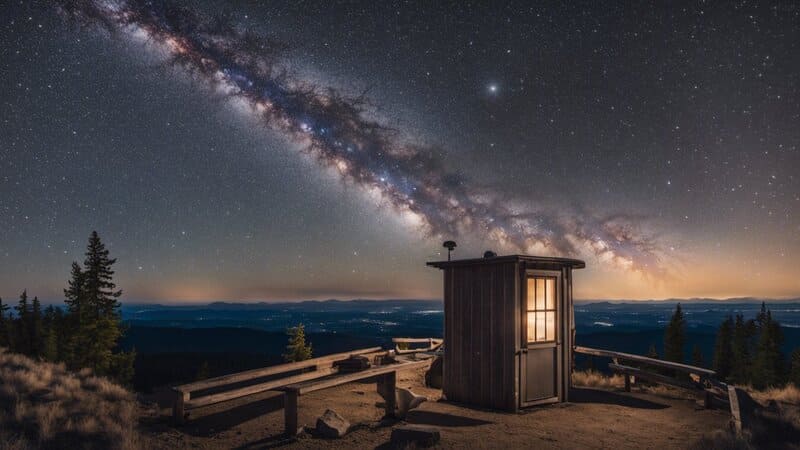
column 524, row 350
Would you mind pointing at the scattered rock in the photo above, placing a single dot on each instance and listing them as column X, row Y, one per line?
column 332, row 425
column 433, row 377
column 407, row 400
column 419, row 435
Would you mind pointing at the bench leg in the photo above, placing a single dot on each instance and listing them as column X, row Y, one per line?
column 627, row 383
column 387, row 387
column 178, row 408
column 290, row 400
column 708, row 401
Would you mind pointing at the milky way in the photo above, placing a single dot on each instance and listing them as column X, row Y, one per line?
column 337, row 131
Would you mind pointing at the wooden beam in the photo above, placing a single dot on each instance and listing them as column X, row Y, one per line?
column 643, row 359
column 654, row 377
column 257, row 388
column 272, row 370
column 317, row 385
column 403, row 340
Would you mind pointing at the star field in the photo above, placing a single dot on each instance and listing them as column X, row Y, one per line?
column 680, row 121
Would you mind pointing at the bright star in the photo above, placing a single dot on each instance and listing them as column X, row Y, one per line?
column 493, row 88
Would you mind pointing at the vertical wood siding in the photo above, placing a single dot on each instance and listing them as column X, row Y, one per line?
column 481, row 335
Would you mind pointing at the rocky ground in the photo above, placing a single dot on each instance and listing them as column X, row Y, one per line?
column 595, row 418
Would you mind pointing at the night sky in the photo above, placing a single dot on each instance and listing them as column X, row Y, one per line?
column 292, row 150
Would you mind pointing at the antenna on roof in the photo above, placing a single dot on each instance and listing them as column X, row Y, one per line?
column 449, row 245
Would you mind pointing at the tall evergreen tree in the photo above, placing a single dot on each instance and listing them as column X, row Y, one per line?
column 742, row 350
column 723, row 349
column 36, row 329
column 53, row 326
column 675, row 336
column 768, row 366
column 4, row 324
column 22, row 340
column 99, row 287
column 794, row 374
column 93, row 316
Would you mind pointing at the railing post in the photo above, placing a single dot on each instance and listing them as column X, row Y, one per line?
column 178, row 408
column 627, row 383
column 387, row 385
column 290, row 403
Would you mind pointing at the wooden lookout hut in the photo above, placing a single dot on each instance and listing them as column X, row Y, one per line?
column 508, row 330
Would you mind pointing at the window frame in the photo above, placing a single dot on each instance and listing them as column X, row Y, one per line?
column 554, row 310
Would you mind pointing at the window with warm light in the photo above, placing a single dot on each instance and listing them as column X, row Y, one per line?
column 541, row 309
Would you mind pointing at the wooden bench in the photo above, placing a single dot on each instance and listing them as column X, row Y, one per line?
column 386, row 380
column 306, row 370
column 699, row 377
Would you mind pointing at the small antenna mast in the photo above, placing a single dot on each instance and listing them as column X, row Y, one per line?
column 449, row 245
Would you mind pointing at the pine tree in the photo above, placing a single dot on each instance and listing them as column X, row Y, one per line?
column 675, row 337
column 52, row 325
column 697, row 357
column 297, row 350
column 743, row 335
column 4, row 324
column 794, row 371
column 723, row 349
column 93, row 316
column 75, row 317
column 22, row 342
column 36, row 329
column 768, row 366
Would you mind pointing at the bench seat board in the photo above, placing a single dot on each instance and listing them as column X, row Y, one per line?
column 272, row 370
column 256, row 388
column 336, row 380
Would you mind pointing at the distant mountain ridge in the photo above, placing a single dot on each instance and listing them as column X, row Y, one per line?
column 360, row 303
column 746, row 300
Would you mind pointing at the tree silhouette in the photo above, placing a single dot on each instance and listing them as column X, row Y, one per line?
column 22, row 340
column 5, row 325
column 675, row 336
column 723, row 349
column 768, row 366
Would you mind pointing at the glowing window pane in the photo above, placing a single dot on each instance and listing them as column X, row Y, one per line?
column 540, row 293
column 531, row 293
column 531, row 326
column 551, row 326
column 551, row 293
column 540, row 329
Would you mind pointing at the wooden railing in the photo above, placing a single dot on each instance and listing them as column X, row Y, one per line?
column 699, row 380
column 185, row 398
column 433, row 345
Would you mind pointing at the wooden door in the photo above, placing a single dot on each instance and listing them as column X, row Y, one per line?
column 540, row 363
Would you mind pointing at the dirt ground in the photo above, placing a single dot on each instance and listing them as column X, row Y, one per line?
column 592, row 419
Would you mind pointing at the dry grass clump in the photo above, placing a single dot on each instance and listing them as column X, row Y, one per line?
column 42, row 405
column 593, row 378
column 788, row 394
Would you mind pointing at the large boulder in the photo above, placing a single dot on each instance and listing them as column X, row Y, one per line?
column 417, row 435
column 332, row 425
column 433, row 377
